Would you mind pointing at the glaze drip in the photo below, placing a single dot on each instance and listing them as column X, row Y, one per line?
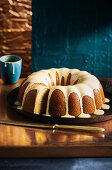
column 107, row 100
column 19, row 107
column 82, row 115
column 5, row 64
column 13, row 68
column 105, row 106
column 68, row 116
column 99, row 112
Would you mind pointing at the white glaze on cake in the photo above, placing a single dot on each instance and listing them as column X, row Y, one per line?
column 20, row 107
column 99, row 112
column 105, row 106
column 40, row 92
column 86, row 83
column 107, row 100
column 82, row 115
column 68, row 116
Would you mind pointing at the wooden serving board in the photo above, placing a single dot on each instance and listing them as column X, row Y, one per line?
column 32, row 142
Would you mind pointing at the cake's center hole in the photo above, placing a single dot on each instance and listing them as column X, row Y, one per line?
column 75, row 82
column 69, row 82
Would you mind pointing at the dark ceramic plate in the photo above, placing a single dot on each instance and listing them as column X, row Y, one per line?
column 58, row 120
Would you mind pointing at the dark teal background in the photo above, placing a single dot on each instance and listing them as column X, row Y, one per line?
column 74, row 34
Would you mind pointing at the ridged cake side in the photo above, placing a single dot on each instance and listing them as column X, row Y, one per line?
column 62, row 92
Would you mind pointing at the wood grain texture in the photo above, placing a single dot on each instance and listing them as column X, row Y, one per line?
column 33, row 142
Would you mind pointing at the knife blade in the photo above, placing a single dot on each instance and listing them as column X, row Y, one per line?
column 50, row 126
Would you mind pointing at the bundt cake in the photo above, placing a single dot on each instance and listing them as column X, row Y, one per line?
column 62, row 92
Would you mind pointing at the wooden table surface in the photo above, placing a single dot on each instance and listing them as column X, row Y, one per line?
column 32, row 142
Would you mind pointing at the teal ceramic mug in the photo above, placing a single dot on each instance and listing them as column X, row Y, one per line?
column 10, row 68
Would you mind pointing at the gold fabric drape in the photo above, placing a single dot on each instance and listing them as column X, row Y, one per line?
column 15, row 30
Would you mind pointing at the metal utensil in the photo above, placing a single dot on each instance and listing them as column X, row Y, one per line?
column 50, row 126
